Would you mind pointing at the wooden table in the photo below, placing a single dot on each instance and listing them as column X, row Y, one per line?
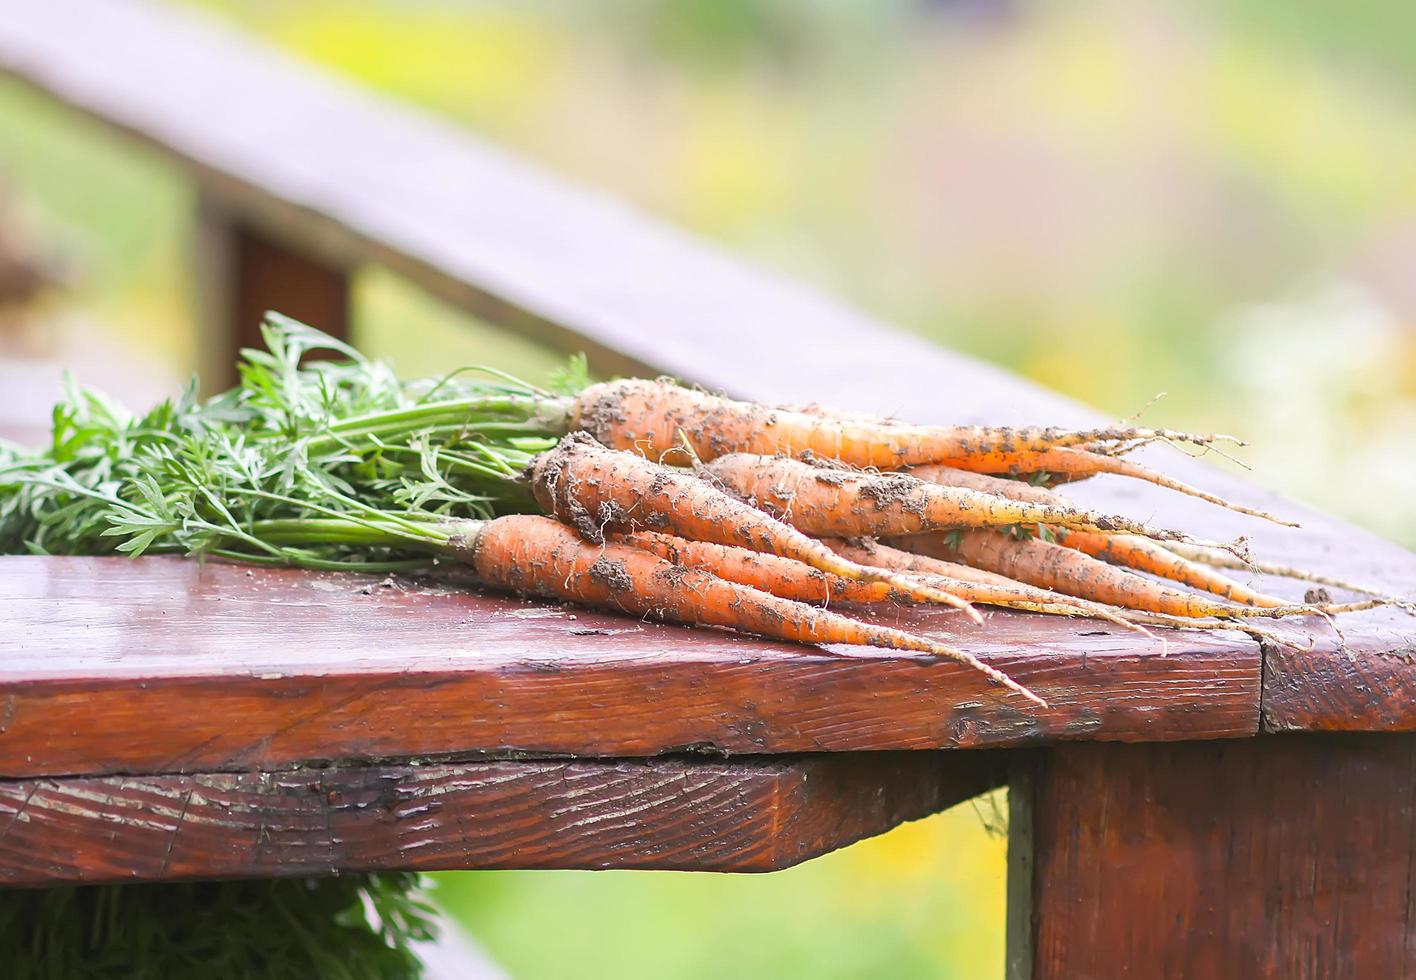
column 1219, row 811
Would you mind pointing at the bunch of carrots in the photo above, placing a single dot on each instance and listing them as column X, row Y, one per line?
column 640, row 496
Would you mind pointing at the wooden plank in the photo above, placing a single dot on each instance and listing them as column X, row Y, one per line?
column 159, row 665
column 1329, row 690
column 747, row 815
column 1366, row 684
column 341, row 175
column 1271, row 857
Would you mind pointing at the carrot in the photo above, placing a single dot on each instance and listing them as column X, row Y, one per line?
column 595, row 489
column 1052, row 566
column 1185, row 623
column 648, row 417
column 537, row 556
column 978, row 585
column 1065, row 464
column 1208, row 556
column 793, row 580
column 828, row 501
column 780, row 576
column 1148, row 556
column 1121, row 549
column 951, row 476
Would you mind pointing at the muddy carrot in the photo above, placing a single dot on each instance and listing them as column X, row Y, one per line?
column 1063, row 464
column 595, row 490
column 830, row 501
column 1120, row 549
column 651, row 417
column 1053, row 566
column 537, row 556
column 1208, row 556
column 977, row 584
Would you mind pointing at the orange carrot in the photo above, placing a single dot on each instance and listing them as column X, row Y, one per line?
column 1207, row 556
column 595, row 489
column 976, row 584
column 651, row 417
column 1063, row 464
column 793, row 580
column 1052, row 566
column 537, row 556
column 780, row 576
column 1148, row 556
column 829, row 501
column 1119, row 549
column 951, row 476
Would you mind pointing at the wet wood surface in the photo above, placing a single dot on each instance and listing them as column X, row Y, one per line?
column 679, row 814
column 169, row 665
column 1280, row 856
column 344, row 177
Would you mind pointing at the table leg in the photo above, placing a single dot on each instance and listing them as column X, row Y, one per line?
column 1285, row 856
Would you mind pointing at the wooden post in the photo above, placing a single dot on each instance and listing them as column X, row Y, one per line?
column 240, row 273
column 1268, row 857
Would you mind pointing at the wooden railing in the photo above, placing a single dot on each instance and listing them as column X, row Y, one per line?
column 303, row 177
column 1149, row 859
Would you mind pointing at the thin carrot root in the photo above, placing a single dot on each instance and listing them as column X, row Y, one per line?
column 538, row 556
column 594, row 490
column 1066, row 463
column 978, row 585
column 1186, row 623
column 830, row 501
column 984, row 438
column 1047, row 565
column 1208, row 556
column 645, row 416
column 1128, row 550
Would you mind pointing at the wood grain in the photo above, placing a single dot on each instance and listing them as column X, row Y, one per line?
column 159, row 665
column 1279, row 856
column 343, row 177
column 1368, row 682
column 748, row 815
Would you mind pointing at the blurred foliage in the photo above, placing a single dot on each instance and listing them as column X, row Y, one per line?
column 925, row 900
column 1115, row 198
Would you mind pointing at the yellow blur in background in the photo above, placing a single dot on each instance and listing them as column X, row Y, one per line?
column 1114, row 198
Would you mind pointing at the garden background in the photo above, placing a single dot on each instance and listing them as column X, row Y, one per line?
column 1116, row 199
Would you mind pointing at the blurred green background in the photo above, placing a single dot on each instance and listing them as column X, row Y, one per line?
column 1115, row 198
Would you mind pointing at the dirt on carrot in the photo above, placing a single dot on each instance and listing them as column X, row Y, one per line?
column 537, row 556
column 651, row 417
column 595, row 490
column 830, row 501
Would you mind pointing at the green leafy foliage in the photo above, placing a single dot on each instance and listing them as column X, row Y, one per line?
column 310, row 462
column 298, row 440
column 361, row 927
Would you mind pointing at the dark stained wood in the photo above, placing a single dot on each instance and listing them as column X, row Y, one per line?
column 748, row 815
column 1279, row 856
column 1368, row 685
column 270, row 276
column 345, row 177
column 240, row 274
column 1329, row 690
column 159, row 665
